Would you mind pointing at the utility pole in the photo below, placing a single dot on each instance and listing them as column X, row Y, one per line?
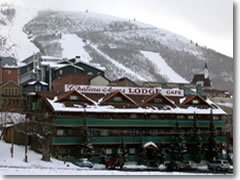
column 26, row 141
column 12, row 148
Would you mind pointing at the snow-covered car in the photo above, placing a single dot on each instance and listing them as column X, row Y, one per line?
column 83, row 163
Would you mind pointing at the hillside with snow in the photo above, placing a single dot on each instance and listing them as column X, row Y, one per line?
column 123, row 47
column 17, row 42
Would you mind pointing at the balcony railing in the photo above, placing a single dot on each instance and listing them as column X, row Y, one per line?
column 133, row 123
column 126, row 140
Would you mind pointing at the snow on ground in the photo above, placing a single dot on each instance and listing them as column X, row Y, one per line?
column 17, row 166
column 73, row 46
column 163, row 68
column 23, row 46
column 34, row 159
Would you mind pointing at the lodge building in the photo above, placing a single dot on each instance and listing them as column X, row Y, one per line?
column 113, row 117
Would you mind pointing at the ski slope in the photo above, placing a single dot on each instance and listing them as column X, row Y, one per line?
column 162, row 68
column 72, row 46
column 127, row 70
column 23, row 47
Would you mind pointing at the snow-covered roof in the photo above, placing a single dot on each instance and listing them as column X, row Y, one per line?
column 181, row 100
column 8, row 119
column 65, row 65
column 52, row 64
column 10, row 66
column 52, row 58
column 41, row 82
column 60, row 107
column 150, row 144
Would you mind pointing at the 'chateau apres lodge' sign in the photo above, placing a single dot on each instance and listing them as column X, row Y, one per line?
column 126, row 90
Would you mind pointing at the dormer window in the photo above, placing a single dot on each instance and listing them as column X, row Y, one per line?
column 158, row 100
column 37, row 88
column 200, row 83
column 195, row 101
column 117, row 99
column 73, row 97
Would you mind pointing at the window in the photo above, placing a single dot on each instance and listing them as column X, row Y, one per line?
column 133, row 116
column 6, row 91
column 180, row 117
column 137, row 132
column 154, row 116
column 108, row 151
column 190, row 117
column 16, row 91
column 37, row 88
column 117, row 99
column 158, row 100
column 12, row 91
column 60, row 72
column 73, row 97
column 153, row 132
column 104, row 132
column 60, row 132
column 132, row 150
column 195, row 101
column 215, row 118
column 119, row 151
column 69, row 131
column 200, row 83
column 7, row 72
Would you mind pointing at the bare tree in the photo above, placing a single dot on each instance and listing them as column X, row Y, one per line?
column 41, row 129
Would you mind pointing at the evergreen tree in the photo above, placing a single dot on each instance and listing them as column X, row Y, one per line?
column 141, row 154
column 212, row 148
column 178, row 146
column 124, row 151
column 151, row 157
column 87, row 151
column 196, row 149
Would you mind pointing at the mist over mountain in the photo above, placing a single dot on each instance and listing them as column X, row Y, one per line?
column 123, row 47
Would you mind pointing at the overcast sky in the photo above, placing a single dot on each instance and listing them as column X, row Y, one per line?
column 207, row 22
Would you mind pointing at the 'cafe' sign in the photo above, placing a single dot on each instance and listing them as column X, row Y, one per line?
column 126, row 90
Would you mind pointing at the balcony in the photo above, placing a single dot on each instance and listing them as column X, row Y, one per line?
column 126, row 140
column 132, row 123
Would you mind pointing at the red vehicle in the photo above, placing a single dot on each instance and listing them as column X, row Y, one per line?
column 114, row 162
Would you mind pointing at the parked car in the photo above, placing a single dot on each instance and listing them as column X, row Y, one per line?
column 190, row 165
column 114, row 162
column 221, row 165
column 181, row 166
column 175, row 166
column 83, row 162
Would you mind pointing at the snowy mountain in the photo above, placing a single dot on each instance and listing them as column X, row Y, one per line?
column 124, row 47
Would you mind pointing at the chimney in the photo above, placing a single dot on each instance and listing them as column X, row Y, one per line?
column 199, row 90
column 78, row 58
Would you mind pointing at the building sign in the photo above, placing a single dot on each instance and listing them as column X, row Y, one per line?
column 125, row 90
